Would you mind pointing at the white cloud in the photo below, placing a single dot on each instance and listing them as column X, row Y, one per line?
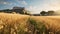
column 6, row 3
column 24, row 2
column 54, row 5
column 34, row 9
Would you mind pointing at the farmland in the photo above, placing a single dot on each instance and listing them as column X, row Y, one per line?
column 25, row 24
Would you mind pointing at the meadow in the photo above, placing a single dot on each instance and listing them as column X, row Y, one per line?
column 25, row 24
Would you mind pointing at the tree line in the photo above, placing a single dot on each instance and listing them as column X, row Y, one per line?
column 21, row 10
column 44, row 13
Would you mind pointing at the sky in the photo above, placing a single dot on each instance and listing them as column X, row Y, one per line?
column 35, row 6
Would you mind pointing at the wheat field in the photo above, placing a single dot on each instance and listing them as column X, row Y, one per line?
column 19, row 24
column 51, row 22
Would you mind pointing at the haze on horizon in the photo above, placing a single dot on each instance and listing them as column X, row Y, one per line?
column 35, row 6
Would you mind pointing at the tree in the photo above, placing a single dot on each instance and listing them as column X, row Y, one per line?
column 19, row 9
column 26, row 12
column 50, row 12
column 43, row 13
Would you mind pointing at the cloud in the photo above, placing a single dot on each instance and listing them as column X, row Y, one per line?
column 5, row 3
column 20, row 0
column 34, row 9
column 54, row 5
column 23, row 2
column 46, row 6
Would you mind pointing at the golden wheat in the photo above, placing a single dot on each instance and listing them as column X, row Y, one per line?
column 52, row 22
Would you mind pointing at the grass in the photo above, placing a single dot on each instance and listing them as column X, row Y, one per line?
column 39, row 27
column 24, row 24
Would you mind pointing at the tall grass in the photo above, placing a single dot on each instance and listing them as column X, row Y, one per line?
column 38, row 27
column 12, row 23
column 23, row 24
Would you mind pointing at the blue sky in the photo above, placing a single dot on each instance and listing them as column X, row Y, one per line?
column 35, row 6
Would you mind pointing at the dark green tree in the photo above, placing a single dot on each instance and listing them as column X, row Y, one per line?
column 43, row 13
column 50, row 12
